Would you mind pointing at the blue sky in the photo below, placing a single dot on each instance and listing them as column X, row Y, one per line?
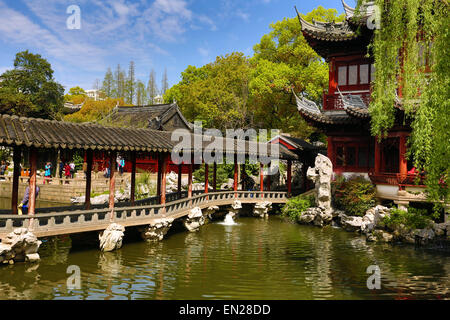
column 154, row 34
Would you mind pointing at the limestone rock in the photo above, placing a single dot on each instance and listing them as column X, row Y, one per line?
column 350, row 223
column 424, row 235
column 372, row 218
column 441, row 229
column 18, row 245
column 210, row 211
column 194, row 220
column 261, row 209
column 156, row 230
column 321, row 175
column 111, row 238
column 319, row 216
column 379, row 235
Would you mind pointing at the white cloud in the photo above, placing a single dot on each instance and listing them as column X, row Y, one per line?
column 203, row 52
column 17, row 28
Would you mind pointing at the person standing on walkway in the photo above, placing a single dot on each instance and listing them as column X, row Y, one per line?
column 48, row 172
column 61, row 168
column 23, row 206
column 67, row 172
column 72, row 169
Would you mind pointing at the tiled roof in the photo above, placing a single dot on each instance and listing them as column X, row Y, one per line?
column 41, row 133
column 152, row 116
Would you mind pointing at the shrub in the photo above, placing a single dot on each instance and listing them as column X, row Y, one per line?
column 222, row 174
column 295, row 207
column 355, row 196
column 412, row 219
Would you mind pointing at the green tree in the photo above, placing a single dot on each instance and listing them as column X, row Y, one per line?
column 216, row 93
column 141, row 93
column 419, row 29
column 108, row 83
column 152, row 87
column 130, row 86
column 30, row 89
column 283, row 62
column 164, row 83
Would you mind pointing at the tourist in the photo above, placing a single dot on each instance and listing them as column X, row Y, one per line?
column 61, row 168
column 72, row 169
column 3, row 168
column 23, row 206
column 67, row 171
column 121, row 165
column 413, row 171
column 48, row 172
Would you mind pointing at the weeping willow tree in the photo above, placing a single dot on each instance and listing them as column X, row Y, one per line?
column 411, row 52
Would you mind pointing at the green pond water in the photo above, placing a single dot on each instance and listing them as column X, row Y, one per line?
column 254, row 259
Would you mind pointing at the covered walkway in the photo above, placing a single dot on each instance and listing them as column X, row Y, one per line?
column 27, row 136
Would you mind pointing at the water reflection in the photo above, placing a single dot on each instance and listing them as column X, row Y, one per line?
column 255, row 259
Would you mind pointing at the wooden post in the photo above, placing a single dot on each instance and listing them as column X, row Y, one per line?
column 269, row 180
column 206, row 177
column 215, row 177
column 17, row 158
column 133, row 178
column 261, row 178
column 191, row 168
column 89, row 158
column 289, row 177
column 377, row 160
column 403, row 165
column 180, row 176
column 158, row 177
column 112, row 180
column 165, row 159
column 236, row 167
column 33, row 169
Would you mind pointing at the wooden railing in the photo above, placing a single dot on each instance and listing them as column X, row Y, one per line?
column 401, row 180
column 334, row 101
column 66, row 222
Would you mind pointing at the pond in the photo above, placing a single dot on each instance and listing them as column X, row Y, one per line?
column 253, row 259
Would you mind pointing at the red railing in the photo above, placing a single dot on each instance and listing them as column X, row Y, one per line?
column 334, row 101
column 401, row 180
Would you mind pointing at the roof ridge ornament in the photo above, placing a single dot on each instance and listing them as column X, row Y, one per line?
column 306, row 104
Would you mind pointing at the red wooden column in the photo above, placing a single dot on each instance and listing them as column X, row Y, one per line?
column 215, row 177
column 235, row 183
column 180, row 176
column 158, row 183
column 87, row 201
column 133, row 178
column 261, row 178
column 17, row 158
column 206, row 177
column 403, row 165
column 112, row 180
column 190, row 168
column 289, row 177
column 165, row 159
column 33, row 169
column 269, row 180
column 377, row 156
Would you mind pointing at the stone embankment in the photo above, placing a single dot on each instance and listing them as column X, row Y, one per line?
column 373, row 227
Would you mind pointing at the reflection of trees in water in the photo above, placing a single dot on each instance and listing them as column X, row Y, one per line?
column 55, row 250
column 405, row 271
